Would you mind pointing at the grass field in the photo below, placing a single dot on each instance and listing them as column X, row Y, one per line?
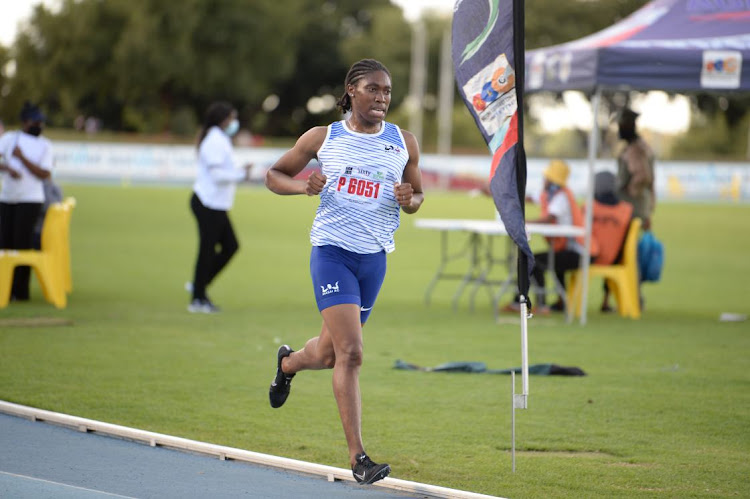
column 663, row 412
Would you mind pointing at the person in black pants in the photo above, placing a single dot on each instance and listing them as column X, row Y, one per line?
column 25, row 162
column 213, row 196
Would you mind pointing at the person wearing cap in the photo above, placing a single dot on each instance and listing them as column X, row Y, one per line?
column 558, row 206
column 635, row 169
column 610, row 222
column 25, row 162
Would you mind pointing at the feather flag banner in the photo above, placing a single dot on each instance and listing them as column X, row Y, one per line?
column 488, row 61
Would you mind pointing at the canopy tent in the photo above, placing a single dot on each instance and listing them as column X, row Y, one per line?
column 673, row 45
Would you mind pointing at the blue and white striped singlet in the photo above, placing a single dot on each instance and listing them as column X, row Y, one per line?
column 358, row 210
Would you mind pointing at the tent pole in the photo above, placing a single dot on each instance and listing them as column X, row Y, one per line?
column 593, row 152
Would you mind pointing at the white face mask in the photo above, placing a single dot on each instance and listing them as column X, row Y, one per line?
column 232, row 128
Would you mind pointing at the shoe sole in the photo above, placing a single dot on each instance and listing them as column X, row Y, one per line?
column 278, row 368
column 378, row 476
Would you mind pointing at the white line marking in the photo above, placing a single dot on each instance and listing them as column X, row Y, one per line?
column 185, row 444
column 64, row 485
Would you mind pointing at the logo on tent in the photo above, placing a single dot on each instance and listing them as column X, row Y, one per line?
column 721, row 69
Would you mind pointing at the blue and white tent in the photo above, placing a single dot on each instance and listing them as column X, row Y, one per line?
column 673, row 45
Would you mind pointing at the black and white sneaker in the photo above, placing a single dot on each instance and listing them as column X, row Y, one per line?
column 282, row 383
column 367, row 472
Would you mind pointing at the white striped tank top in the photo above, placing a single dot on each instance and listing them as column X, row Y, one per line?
column 358, row 210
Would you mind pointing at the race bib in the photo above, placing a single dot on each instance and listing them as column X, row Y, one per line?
column 361, row 186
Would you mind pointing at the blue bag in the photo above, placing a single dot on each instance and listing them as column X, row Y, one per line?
column 650, row 257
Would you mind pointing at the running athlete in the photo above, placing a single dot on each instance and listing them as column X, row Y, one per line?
column 369, row 173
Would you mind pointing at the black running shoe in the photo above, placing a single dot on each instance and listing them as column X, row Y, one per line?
column 279, row 390
column 367, row 472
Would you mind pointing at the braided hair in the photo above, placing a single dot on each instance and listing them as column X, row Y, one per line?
column 358, row 70
column 215, row 114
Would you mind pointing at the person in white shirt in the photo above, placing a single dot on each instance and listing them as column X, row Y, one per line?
column 25, row 162
column 213, row 197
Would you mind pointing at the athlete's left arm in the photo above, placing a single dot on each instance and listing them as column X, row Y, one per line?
column 409, row 192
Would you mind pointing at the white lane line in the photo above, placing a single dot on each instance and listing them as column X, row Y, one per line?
column 64, row 485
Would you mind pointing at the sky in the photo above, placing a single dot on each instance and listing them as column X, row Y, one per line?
column 16, row 10
column 658, row 112
column 412, row 8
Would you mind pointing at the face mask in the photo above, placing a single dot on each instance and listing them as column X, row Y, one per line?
column 232, row 128
column 34, row 130
column 552, row 190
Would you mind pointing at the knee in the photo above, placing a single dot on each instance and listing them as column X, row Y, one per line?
column 350, row 356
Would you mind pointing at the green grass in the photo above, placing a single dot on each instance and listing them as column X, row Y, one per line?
column 663, row 412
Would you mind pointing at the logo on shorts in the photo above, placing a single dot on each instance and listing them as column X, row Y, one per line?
column 328, row 289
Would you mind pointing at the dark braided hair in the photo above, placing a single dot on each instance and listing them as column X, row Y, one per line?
column 357, row 72
column 215, row 114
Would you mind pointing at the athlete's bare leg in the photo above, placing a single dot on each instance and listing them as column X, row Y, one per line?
column 318, row 353
column 345, row 329
column 339, row 345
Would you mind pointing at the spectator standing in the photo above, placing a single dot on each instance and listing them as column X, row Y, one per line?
column 635, row 169
column 26, row 162
column 213, row 197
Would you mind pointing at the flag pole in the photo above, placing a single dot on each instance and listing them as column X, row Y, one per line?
column 520, row 401
column 586, row 256
column 489, row 59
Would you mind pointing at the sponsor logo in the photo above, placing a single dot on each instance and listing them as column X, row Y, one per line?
column 328, row 289
column 721, row 69
column 363, row 309
column 348, row 170
column 395, row 149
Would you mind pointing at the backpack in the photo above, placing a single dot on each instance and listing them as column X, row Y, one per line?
column 650, row 257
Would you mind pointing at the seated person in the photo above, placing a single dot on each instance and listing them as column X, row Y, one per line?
column 52, row 194
column 611, row 220
column 558, row 207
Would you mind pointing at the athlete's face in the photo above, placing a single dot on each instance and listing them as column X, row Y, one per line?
column 371, row 96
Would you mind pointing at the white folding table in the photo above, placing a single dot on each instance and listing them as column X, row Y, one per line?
column 478, row 250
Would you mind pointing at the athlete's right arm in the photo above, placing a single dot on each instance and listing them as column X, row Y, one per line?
column 280, row 177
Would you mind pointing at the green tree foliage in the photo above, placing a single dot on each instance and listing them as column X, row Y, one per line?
column 150, row 65
column 339, row 34
column 154, row 65
column 718, row 129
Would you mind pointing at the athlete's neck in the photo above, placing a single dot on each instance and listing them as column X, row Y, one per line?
column 360, row 127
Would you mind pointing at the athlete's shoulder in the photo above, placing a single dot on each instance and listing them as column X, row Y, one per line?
column 315, row 134
column 311, row 141
column 411, row 143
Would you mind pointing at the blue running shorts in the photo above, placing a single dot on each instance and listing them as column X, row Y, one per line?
column 341, row 276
